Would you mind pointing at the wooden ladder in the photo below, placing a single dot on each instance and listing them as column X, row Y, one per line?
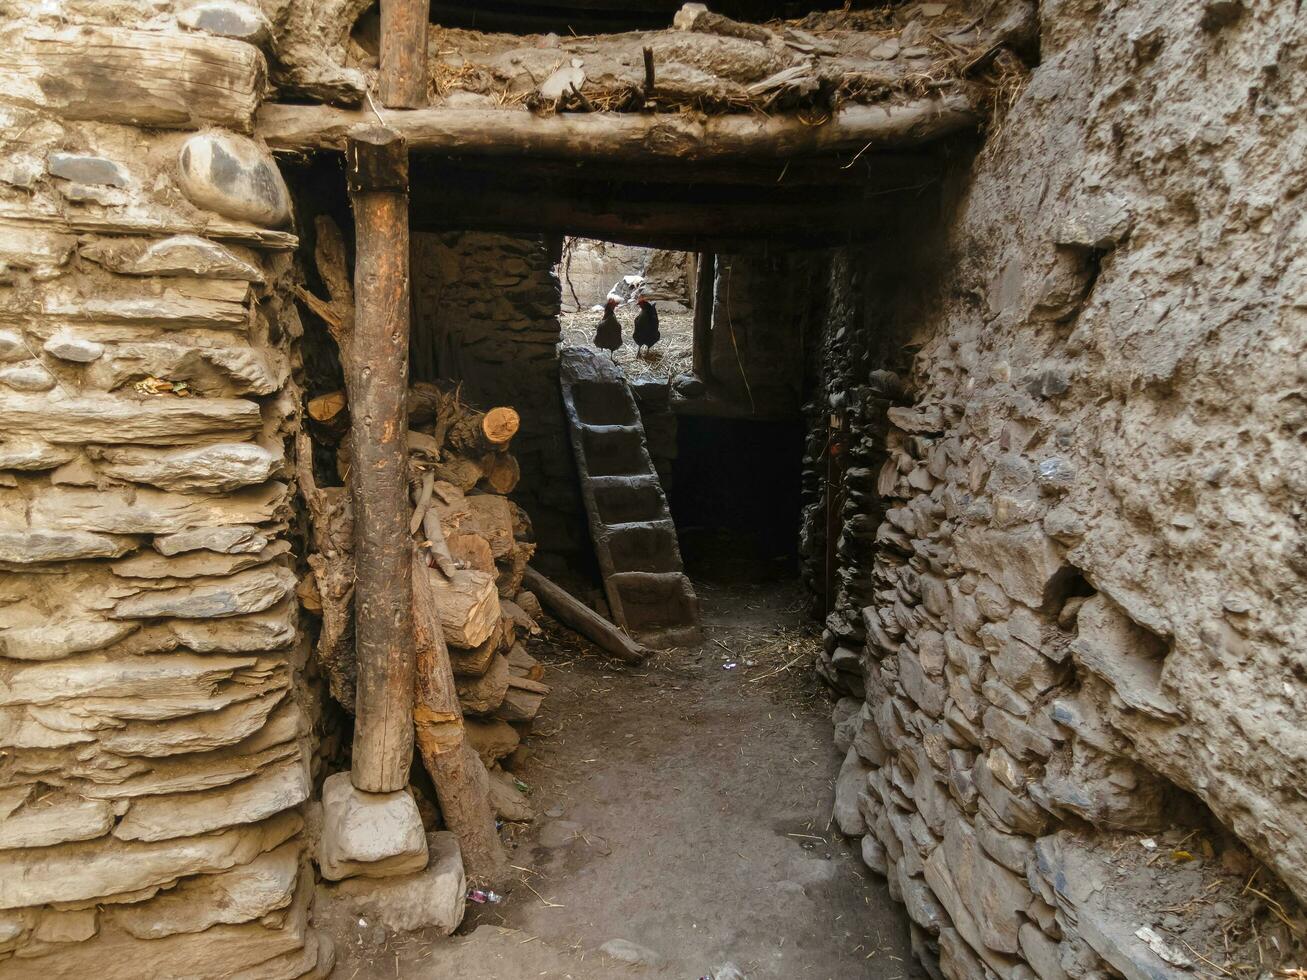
column 634, row 538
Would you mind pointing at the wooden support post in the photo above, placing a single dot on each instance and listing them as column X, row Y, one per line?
column 376, row 375
column 703, row 302
column 403, row 80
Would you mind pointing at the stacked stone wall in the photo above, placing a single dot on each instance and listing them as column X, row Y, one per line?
column 1068, row 625
column 486, row 314
column 153, row 744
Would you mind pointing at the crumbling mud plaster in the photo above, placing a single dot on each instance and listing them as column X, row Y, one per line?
column 1071, row 569
column 153, row 743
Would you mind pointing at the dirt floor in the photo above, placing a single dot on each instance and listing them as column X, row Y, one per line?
column 683, row 807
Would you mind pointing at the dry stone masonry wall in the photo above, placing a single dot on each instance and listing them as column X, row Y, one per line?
column 486, row 314
column 153, row 747
column 1070, row 622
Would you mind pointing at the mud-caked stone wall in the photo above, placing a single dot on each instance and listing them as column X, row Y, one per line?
column 153, row 744
column 1069, row 627
column 766, row 319
column 486, row 315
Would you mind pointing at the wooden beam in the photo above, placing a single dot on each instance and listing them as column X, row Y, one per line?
column 376, row 376
column 402, row 83
column 157, row 79
column 633, row 137
column 725, row 226
column 703, row 306
column 580, row 617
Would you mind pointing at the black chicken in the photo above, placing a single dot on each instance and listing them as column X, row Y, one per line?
column 608, row 336
column 646, row 332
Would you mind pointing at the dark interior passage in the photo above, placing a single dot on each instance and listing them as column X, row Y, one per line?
column 735, row 496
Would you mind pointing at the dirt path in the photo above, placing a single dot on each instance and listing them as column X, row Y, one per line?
column 684, row 808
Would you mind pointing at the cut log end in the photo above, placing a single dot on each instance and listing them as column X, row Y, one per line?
column 500, row 425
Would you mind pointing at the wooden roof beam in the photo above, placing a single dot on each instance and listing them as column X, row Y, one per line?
column 613, row 137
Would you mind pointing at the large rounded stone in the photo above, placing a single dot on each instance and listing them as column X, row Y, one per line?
column 233, row 176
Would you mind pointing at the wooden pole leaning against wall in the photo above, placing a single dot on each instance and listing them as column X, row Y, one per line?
column 705, row 281
column 403, row 79
column 376, row 374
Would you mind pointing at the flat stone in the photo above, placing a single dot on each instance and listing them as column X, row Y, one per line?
column 507, row 800
column 113, row 419
column 225, row 18
column 33, row 455
column 71, row 926
column 851, row 780
column 85, row 169
column 1043, row 954
column 27, row 377
column 626, row 951
column 195, row 564
column 268, row 792
column 55, row 821
column 242, row 894
column 430, row 899
column 246, row 592
column 179, row 255
column 69, row 347
column 214, row 468
column 91, row 869
column 279, row 947
column 142, row 510
column 1125, row 655
column 370, row 834
column 54, row 641
column 1023, row 561
column 138, row 677
column 202, row 732
column 1020, row 739
column 873, row 854
column 238, row 539
column 272, row 629
column 233, row 176
column 37, row 545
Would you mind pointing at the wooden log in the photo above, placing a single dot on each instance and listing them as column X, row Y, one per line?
column 461, row 472
column 377, row 382
column 519, row 705
column 403, row 80
column 475, row 662
column 500, row 473
column 332, row 562
column 627, row 137
column 326, row 407
column 475, row 433
column 705, row 283
column 157, row 79
column 583, row 619
column 622, row 213
column 468, row 607
column 459, row 775
column 482, row 695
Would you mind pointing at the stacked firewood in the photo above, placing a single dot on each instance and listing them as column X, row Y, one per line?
column 475, row 689
column 478, row 543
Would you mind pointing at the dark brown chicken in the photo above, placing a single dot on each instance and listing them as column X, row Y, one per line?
column 608, row 336
column 645, row 332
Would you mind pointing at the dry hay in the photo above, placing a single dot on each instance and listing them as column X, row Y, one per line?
column 807, row 67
